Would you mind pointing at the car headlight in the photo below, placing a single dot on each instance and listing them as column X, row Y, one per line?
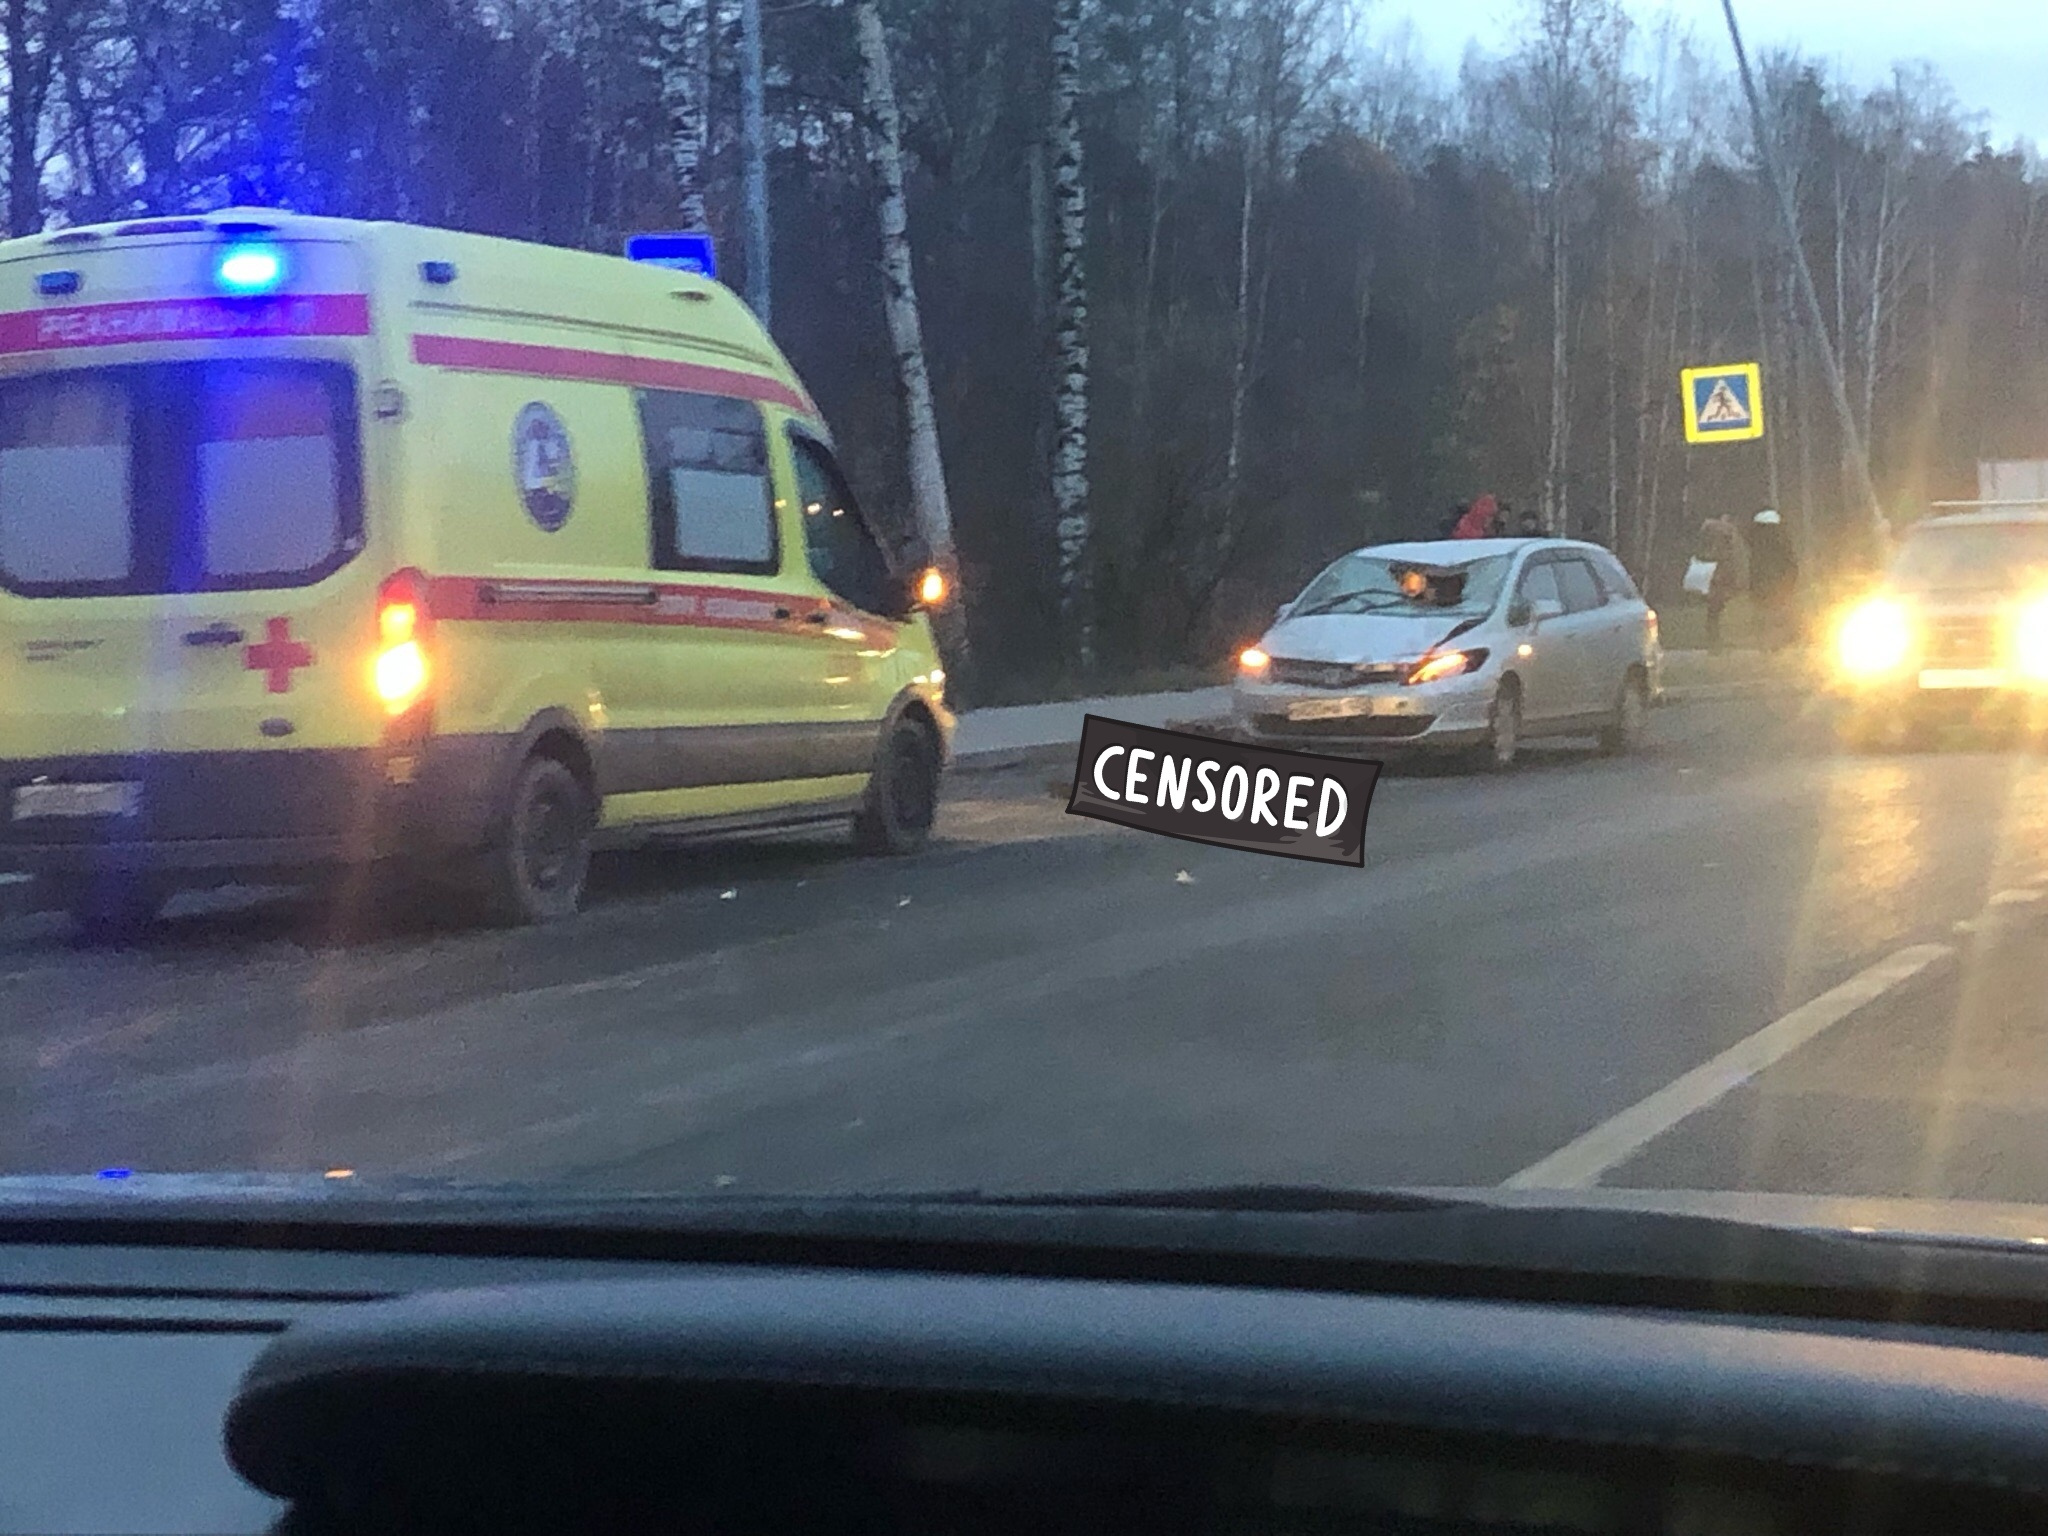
column 1253, row 662
column 1434, row 669
column 2030, row 639
column 1874, row 639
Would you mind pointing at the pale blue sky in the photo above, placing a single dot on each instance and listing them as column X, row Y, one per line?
column 1994, row 52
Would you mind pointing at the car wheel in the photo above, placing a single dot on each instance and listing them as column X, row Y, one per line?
column 1631, row 722
column 538, row 869
column 1502, row 748
column 112, row 909
column 903, row 792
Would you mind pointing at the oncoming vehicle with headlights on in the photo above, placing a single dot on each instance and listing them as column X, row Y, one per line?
column 1472, row 646
column 327, row 545
column 1956, row 633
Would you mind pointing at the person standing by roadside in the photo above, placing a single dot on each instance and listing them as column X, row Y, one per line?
column 1481, row 520
column 1774, row 579
column 1720, row 548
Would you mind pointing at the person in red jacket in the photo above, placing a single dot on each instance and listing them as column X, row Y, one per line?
column 1481, row 520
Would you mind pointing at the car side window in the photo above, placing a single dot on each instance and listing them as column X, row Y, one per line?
column 1576, row 581
column 843, row 550
column 1539, row 584
column 1615, row 579
column 709, row 500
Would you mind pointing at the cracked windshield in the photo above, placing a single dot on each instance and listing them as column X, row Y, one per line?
column 728, row 598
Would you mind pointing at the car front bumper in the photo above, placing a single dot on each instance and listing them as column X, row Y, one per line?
column 1388, row 717
column 1980, row 696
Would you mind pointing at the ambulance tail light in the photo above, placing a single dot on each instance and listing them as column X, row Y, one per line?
column 402, row 671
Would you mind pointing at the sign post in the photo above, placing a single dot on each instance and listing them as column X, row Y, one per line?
column 1723, row 404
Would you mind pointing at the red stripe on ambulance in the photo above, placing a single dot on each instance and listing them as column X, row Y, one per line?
column 145, row 320
column 589, row 367
column 525, row 600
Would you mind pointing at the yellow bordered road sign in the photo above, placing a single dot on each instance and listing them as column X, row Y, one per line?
column 1723, row 404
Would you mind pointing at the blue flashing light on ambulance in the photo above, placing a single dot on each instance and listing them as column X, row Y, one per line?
column 249, row 268
column 327, row 544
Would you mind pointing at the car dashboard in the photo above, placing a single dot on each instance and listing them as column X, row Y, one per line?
column 230, row 1390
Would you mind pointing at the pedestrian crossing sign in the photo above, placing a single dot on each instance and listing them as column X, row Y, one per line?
column 1724, row 404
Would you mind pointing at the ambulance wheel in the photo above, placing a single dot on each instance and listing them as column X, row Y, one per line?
column 903, row 792
column 537, row 871
column 112, row 909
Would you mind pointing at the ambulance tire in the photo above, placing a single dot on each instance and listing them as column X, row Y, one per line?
column 903, row 791
column 537, row 870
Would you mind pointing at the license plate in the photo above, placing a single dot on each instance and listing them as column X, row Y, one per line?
column 32, row 801
column 1973, row 677
column 1330, row 709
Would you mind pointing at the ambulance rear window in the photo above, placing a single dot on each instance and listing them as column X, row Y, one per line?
column 65, row 482
column 269, row 473
column 183, row 477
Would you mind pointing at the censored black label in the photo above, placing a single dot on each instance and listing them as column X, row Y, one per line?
column 1299, row 805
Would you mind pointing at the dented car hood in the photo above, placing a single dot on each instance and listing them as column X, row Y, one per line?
column 1362, row 637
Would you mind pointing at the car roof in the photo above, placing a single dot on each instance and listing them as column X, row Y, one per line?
column 1458, row 551
column 1987, row 517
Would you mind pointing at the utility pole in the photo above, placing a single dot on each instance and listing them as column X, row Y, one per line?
column 754, row 154
column 1852, row 436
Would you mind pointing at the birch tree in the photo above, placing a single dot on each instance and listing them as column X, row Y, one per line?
column 906, row 333
column 23, row 27
column 685, row 29
column 1070, row 335
column 1559, row 71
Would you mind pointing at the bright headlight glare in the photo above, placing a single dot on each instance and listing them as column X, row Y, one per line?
column 2030, row 639
column 1874, row 639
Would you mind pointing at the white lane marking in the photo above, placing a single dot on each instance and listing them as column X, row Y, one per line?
column 2016, row 898
column 1579, row 1164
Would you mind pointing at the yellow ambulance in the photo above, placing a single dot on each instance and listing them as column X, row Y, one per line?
column 328, row 544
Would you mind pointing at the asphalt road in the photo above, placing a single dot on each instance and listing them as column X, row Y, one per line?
column 1044, row 1003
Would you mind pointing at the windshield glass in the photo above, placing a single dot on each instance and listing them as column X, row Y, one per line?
column 1116, row 595
column 1369, row 583
column 1995, row 555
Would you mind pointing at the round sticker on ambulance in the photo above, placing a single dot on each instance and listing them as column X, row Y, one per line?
column 543, row 466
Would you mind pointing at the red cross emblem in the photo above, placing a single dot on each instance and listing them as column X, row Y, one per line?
column 279, row 655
